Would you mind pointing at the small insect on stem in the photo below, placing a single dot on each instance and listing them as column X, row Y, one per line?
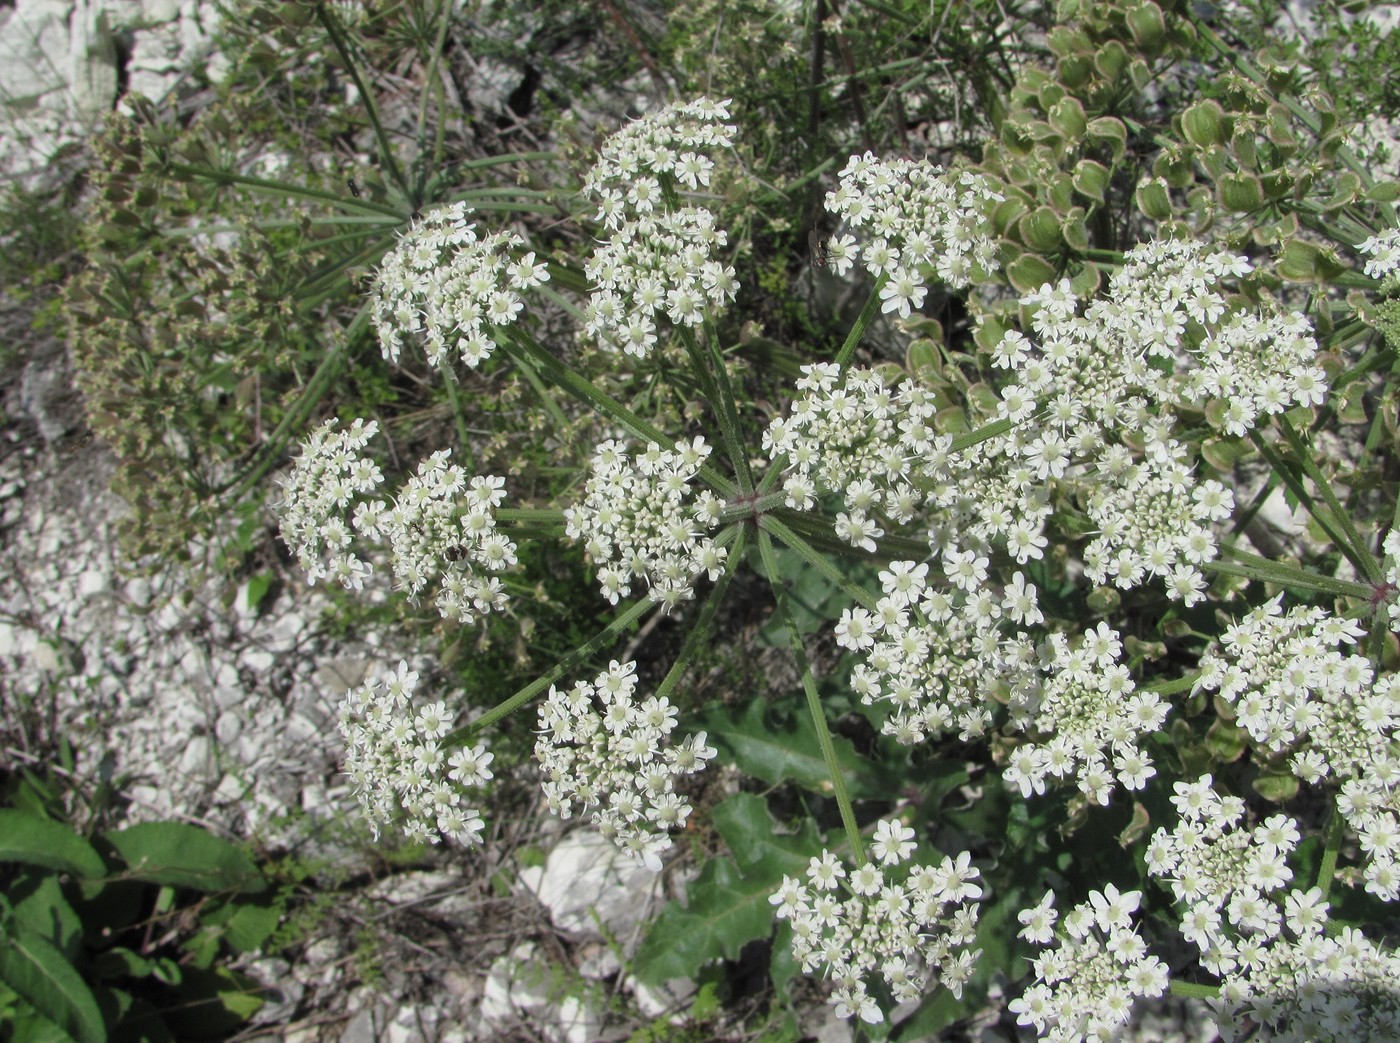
column 354, row 188
column 455, row 553
column 818, row 253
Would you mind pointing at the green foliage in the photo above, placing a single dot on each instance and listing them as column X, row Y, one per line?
column 727, row 904
column 126, row 934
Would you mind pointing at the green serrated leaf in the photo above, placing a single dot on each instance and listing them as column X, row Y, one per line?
column 38, row 841
column 787, row 752
column 182, row 855
column 726, row 910
column 747, row 827
column 35, row 968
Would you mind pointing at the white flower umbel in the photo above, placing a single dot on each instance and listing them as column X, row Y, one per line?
column 1085, row 986
column 442, row 528
column 1091, row 717
column 1281, row 963
column 1296, row 693
column 1384, row 253
column 398, row 768
column 919, row 223
column 315, row 500
column 455, row 288
column 602, row 750
column 935, row 655
column 897, row 920
column 945, row 656
column 640, row 521
column 1096, row 398
column 439, row 529
column 658, row 258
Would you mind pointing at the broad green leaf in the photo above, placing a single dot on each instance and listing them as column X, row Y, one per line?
column 35, row 968
column 45, row 911
column 725, row 912
column 250, row 925
column 27, row 1025
column 747, row 827
column 40, row 842
column 783, row 965
column 785, row 752
column 182, row 855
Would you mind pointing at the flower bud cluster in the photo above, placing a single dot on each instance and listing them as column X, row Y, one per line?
column 440, row 528
column 1384, row 253
column 919, row 222
column 1295, row 693
column 1281, row 963
column 398, row 767
column 892, row 917
column 603, row 750
column 1085, row 986
column 657, row 257
column 457, row 289
column 640, row 521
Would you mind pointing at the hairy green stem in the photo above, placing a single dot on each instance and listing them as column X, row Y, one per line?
column 342, row 46
column 1327, row 868
column 1190, row 990
column 700, row 629
column 866, row 316
column 268, row 455
column 814, row 703
column 459, row 419
column 1300, row 492
column 721, row 400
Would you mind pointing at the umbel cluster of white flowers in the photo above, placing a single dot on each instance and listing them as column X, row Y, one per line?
column 919, row 222
column 602, row 750
column 658, row 256
column 457, row 289
column 398, row 768
column 1086, row 984
column 1295, row 692
column 639, row 521
column 896, row 919
column 1384, row 253
column 943, row 659
column 1280, row 962
column 1092, row 419
column 439, row 527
